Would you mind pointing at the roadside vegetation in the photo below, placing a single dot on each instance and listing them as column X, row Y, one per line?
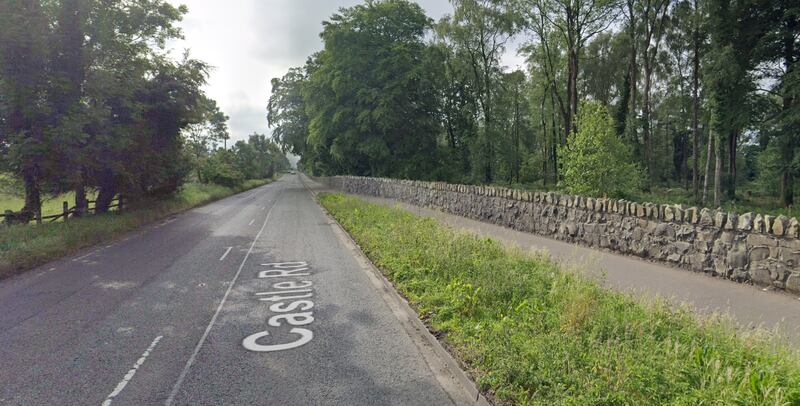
column 696, row 96
column 532, row 333
column 25, row 246
column 94, row 105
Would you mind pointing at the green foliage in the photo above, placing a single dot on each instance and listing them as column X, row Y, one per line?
column 90, row 100
column 286, row 111
column 535, row 334
column 220, row 169
column 595, row 161
column 259, row 157
column 377, row 117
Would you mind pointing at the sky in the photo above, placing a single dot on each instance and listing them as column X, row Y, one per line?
column 249, row 42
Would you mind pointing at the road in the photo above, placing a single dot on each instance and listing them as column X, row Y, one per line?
column 748, row 306
column 251, row 300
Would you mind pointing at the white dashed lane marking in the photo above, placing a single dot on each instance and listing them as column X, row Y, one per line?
column 227, row 251
column 124, row 382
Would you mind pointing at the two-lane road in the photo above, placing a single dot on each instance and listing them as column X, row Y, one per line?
column 253, row 299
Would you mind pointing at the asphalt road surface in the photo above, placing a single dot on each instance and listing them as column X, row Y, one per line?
column 251, row 300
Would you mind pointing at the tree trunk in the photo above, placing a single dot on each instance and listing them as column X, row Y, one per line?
column 633, row 71
column 708, row 166
column 105, row 197
column 106, row 193
column 545, row 151
column 646, row 130
column 33, row 198
column 696, row 107
column 572, row 96
column 730, row 186
column 556, row 142
column 790, row 141
column 81, row 203
column 718, row 173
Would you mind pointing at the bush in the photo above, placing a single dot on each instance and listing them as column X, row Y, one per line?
column 595, row 161
column 220, row 170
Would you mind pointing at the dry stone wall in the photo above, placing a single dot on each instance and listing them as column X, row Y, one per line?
column 750, row 248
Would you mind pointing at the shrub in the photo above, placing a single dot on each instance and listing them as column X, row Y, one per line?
column 595, row 161
column 220, row 170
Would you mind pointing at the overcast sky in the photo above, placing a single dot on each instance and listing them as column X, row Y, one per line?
column 249, row 42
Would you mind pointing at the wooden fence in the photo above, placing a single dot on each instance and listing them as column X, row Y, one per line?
column 9, row 217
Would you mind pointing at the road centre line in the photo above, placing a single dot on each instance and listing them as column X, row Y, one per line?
column 171, row 399
column 127, row 378
column 227, row 251
column 251, row 222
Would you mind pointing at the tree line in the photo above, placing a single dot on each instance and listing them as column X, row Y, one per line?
column 695, row 94
column 90, row 99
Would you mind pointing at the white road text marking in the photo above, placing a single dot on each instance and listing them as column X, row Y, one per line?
column 182, row 377
column 294, row 312
column 124, row 382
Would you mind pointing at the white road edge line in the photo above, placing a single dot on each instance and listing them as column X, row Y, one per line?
column 182, row 377
column 124, row 382
column 227, row 251
column 84, row 256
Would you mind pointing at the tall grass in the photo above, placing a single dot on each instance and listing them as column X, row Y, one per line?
column 25, row 246
column 534, row 334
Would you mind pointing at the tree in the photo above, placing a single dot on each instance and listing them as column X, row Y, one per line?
column 286, row 111
column 375, row 118
column 595, row 161
column 481, row 28
column 203, row 136
column 779, row 50
column 654, row 17
column 23, row 69
column 575, row 22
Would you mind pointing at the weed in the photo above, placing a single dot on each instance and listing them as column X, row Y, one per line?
column 536, row 334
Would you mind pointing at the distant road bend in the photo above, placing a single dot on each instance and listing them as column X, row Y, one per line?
column 252, row 300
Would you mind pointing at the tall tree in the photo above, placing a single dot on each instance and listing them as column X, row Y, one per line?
column 576, row 22
column 286, row 111
column 654, row 19
column 23, row 69
column 375, row 118
column 779, row 53
column 481, row 28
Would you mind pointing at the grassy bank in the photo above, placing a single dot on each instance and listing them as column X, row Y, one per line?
column 532, row 333
column 26, row 246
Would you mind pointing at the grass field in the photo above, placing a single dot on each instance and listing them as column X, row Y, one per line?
column 533, row 333
column 50, row 205
column 25, row 246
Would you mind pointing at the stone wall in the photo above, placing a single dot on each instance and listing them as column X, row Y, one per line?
column 751, row 248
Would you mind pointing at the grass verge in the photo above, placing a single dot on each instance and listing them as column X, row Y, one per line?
column 532, row 333
column 23, row 247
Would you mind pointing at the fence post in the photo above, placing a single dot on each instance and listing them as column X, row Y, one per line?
column 121, row 199
column 9, row 218
column 65, row 206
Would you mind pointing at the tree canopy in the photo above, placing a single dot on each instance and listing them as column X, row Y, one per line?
column 703, row 93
